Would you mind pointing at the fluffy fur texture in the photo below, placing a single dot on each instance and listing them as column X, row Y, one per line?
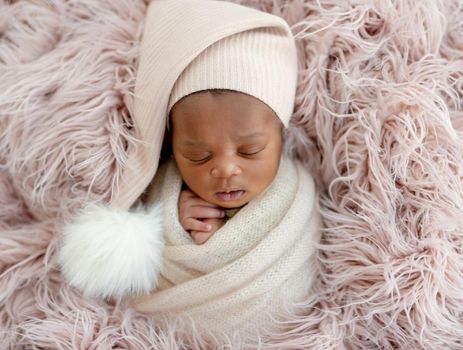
column 378, row 120
column 108, row 252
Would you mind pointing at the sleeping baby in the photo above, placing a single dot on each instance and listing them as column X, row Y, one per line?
column 223, row 231
column 227, row 146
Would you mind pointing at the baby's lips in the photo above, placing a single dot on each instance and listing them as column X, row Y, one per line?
column 230, row 196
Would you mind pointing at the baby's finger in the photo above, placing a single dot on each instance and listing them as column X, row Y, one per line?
column 202, row 212
column 200, row 237
column 195, row 225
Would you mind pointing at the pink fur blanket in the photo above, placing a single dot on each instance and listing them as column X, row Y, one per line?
column 378, row 120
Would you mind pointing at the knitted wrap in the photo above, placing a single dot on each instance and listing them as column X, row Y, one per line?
column 249, row 267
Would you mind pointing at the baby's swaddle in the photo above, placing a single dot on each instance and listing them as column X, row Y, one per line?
column 242, row 275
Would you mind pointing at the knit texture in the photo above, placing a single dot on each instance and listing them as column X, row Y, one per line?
column 261, row 63
column 258, row 260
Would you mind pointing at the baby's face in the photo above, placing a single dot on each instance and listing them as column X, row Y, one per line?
column 227, row 147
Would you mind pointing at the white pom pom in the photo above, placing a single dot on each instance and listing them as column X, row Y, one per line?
column 109, row 252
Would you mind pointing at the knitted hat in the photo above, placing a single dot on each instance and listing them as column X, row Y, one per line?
column 260, row 63
column 193, row 45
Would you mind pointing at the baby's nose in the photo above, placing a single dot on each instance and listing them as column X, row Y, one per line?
column 225, row 170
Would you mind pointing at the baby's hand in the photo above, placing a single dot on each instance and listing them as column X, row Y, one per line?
column 200, row 237
column 199, row 217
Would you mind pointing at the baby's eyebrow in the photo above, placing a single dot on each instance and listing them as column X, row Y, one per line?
column 251, row 135
column 239, row 137
column 193, row 143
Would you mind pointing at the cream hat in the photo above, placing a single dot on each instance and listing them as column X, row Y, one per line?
column 259, row 62
column 193, row 45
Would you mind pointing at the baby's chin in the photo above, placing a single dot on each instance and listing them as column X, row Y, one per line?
column 232, row 206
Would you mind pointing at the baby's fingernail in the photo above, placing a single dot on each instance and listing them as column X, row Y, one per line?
column 222, row 213
column 208, row 227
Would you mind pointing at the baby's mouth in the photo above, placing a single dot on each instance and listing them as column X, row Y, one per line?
column 231, row 195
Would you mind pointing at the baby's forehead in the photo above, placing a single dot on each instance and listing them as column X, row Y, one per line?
column 209, row 107
column 250, row 125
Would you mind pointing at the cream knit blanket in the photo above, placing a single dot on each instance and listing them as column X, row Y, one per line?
column 244, row 273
